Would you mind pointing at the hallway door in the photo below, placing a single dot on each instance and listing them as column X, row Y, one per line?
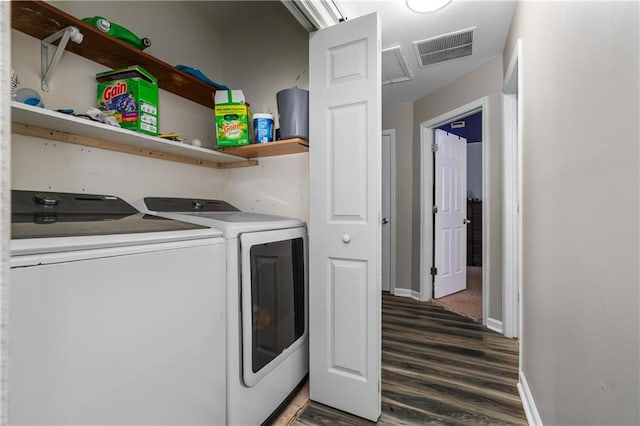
column 450, row 230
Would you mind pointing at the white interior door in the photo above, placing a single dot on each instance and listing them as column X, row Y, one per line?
column 344, row 229
column 450, row 231
column 386, row 211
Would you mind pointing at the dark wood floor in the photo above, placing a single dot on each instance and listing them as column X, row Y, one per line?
column 438, row 367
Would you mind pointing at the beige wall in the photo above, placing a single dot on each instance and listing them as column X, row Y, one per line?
column 483, row 81
column 263, row 65
column 179, row 35
column 263, row 59
column 400, row 118
column 580, row 73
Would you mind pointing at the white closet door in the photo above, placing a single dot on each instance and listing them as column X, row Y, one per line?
column 345, row 231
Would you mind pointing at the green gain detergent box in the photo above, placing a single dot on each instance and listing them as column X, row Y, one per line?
column 130, row 94
column 233, row 118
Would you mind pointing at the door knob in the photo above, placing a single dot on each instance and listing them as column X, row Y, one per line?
column 346, row 239
column 466, row 221
column 385, row 220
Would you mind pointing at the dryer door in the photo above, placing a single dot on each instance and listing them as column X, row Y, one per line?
column 274, row 295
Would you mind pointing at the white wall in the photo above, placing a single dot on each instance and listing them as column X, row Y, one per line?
column 265, row 56
column 400, row 118
column 279, row 185
column 581, row 207
column 179, row 36
column 5, row 202
column 483, row 81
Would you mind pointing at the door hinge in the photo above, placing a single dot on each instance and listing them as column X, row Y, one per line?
column 434, row 271
column 434, row 147
column 434, row 209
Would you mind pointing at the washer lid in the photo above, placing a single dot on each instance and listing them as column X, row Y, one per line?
column 170, row 204
column 217, row 214
column 233, row 224
column 53, row 215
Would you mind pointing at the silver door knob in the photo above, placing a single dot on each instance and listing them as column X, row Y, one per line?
column 466, row 221
column 346, row 239
column 385, row 220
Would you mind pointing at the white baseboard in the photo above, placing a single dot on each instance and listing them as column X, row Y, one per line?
column 530, row 410
column 495, row 325
column 405, row 292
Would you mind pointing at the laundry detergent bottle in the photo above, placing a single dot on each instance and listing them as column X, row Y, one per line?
column 118, row 31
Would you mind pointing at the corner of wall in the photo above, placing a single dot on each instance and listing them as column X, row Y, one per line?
column 529, row 405
column 495, row 325
column 406, row 292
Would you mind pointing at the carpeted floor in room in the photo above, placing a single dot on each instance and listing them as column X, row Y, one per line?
column 467, row 302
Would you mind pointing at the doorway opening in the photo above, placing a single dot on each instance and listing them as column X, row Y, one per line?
column 427, row 205
column 466, row 298
column 388, row 211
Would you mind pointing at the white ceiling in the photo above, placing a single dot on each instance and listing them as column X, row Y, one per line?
column 401, row 26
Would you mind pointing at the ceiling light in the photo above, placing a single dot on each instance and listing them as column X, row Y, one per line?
column 426, row 6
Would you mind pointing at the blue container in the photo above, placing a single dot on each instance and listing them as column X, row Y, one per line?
column 263, row 128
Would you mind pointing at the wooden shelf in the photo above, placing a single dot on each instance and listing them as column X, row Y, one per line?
column 43, row 123
column 283, row 147
column 40, row 20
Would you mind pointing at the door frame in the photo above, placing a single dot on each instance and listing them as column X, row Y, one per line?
column 392, row 192
column 426, row 183
column 512, row 198
column 5, row 200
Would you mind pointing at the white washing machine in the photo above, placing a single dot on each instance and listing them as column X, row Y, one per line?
column 267, row 304
column 115, row 317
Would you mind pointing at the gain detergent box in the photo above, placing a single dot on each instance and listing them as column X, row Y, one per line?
column 233, row 118
column 130, row 94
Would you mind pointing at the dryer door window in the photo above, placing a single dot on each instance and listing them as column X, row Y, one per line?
column 274, row 308
column 277, row 297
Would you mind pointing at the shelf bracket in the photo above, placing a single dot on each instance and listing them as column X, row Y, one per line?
column 48, row 68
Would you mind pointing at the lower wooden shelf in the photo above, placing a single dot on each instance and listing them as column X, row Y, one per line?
column 283, row 147
column 42, row 123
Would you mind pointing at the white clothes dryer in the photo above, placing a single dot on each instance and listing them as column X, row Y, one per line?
column 115, row 317
column 267, row 303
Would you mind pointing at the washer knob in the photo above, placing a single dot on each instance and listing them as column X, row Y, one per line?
column 48, row 200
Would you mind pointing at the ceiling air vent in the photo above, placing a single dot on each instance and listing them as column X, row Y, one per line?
column 444, row 48
column 394, row 66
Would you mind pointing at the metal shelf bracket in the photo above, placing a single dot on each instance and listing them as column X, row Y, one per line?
column 48, row 68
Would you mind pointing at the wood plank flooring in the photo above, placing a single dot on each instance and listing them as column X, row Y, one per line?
column 438, row 368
